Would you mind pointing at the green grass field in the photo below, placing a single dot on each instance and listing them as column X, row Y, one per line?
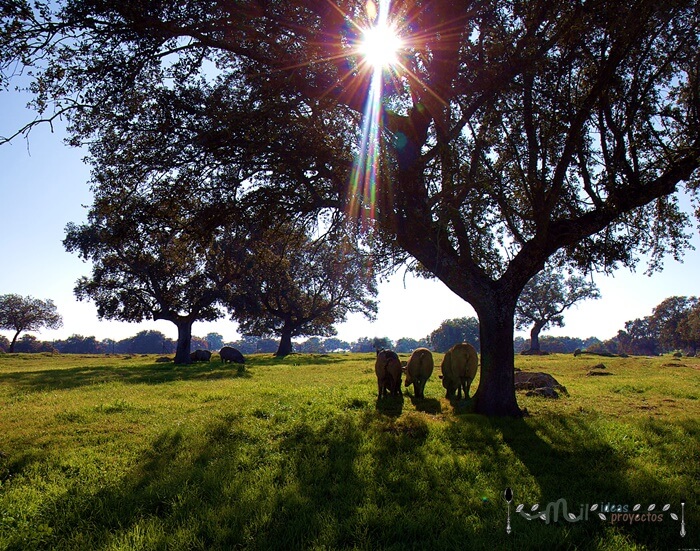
column 121, row 452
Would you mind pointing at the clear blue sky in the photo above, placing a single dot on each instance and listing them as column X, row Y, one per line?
column 43, row 186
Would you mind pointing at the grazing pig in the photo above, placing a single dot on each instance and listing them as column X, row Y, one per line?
column 459, row 369
column 418, row 370
column 229, row 354
column 388, row 370
column 200, row 356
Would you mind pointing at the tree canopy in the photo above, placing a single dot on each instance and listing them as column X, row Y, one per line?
column 299, row 286
column 18, row 314
column 545, row 298
column 455, row 331
column 672, row 326
column 506, row 133
column 158, row 256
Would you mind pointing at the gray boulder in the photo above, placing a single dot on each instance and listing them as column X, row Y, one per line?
column 541, row 384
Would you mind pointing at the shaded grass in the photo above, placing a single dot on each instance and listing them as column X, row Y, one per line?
column 110, row 453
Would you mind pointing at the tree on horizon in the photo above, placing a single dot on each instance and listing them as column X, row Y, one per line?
column 20, row 314
column 545, row 298
column 156, row 257
column 299, row 286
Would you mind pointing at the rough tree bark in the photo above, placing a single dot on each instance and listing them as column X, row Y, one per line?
column 285, row 345
column 535, row 336
column 184, row 340
column 495, row 395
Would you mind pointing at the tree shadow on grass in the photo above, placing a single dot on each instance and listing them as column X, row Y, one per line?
column 568, row 457
column 353, row 481
column 390, row 405
column 219, row 490
column 459, row 407
column 75, row 377
column 426, row 405
column 357, row 479
column 295, row 359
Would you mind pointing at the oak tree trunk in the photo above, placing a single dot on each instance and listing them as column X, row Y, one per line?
column 14, row 340
column 285, row 346
column 535, row 337
column 496, row 393
column 184, row 341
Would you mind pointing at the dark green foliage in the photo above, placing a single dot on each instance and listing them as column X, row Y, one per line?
column 455, row 331
column 18, row 314
column 672, row 325
column 296, row 285
column 406, row 345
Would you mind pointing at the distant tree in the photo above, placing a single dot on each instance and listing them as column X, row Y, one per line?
column 199, row 343
column 454, row 331
column 157, row 256
column 639, row 338
column 590, row 341
column 264, row 345
column 30, row 344
column 310, row 345
column 332, row 344
column 18, row 313
column 147, row 342
column 4, row 344
column 689, row 328
column 598, row 348
column 246, row 344
column 110, row 346
column 545, row 298
column 364, row 344
column 215, row 341
column 520, row 344
column 613, row 346
column 405, row 344
column 78, row 344
column 560, row 345
column 666, row 320
column 299, row 286
column 380, row 343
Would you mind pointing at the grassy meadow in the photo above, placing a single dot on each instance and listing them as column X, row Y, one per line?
column 121, row 452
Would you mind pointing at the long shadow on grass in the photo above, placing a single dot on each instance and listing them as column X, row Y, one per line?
column 566, row 457
column 52, row 379
column 350, row 480
column 426, row 405
column 357, row 479
column 390, row 405
column 237, row 484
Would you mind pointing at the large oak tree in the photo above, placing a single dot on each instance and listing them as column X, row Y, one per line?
column 298, row 285
column 511, row 131
column 18, row 313
column 545, row 298
column 158, row 255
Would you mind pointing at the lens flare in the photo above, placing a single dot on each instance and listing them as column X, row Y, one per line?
column 379, row 46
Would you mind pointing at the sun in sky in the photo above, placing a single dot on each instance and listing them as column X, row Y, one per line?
column 380, row 43
column 379, row 46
